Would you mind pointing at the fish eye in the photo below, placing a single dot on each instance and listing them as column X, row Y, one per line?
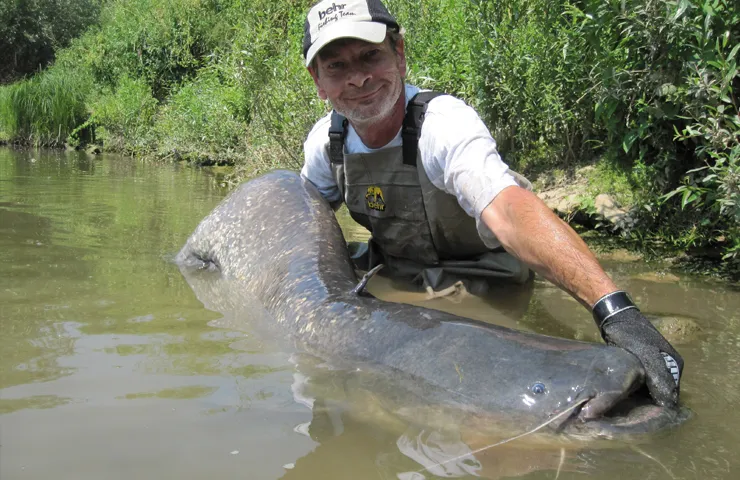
column 538, row 388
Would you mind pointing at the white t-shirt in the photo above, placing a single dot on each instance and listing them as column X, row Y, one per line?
column 457, row 151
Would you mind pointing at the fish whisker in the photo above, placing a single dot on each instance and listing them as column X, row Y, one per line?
column 511, row 439
column 562, row 462
column 647, row 455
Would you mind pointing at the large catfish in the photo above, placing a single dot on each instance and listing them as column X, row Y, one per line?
column 278, row 252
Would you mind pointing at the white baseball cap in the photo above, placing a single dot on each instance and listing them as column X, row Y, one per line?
column 329, row 20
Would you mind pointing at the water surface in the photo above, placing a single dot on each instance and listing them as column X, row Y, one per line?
column 111, row 368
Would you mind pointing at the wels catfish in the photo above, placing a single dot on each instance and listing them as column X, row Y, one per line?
column 279, row 254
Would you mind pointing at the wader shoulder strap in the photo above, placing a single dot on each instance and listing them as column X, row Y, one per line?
column 411, row 132
column 337, row 132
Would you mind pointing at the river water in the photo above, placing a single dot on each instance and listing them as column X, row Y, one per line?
column 111, row 368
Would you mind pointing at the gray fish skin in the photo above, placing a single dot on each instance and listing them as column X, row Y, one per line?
column 276, row 241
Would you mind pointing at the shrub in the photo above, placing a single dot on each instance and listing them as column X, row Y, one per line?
column 531, row 75
column 124, row 117
column 664, row 82
column 204, row 120
column 162, row 42
column 280, row 96
column 442, row 43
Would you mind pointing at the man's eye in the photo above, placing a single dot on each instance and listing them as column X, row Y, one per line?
column 335, row 66
column 371, row 54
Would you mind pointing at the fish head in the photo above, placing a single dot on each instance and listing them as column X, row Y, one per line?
column 583, row 394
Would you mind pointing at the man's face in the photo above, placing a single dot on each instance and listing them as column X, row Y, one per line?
column 362, row 80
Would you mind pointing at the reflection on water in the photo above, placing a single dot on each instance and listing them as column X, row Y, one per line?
column 110, row 367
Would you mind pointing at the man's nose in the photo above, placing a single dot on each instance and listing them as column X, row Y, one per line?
column 358, row 76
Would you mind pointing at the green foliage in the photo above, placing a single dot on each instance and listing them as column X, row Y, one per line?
column 531, row 80
column 44, row 109
column 281, row 99
column 8, row 120
column 124, row 117
column 712, row 119
column 646, row 89
column 442, row 44
column 160, row 41
column 32, row 30
column 648, row 86
column 664, row 88
column 608, row 177
column 636, row 53
column 204, row 120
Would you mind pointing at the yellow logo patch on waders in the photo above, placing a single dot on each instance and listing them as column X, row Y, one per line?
column 374, row 198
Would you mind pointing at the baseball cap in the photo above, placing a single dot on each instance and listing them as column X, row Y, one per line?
column 329, row 20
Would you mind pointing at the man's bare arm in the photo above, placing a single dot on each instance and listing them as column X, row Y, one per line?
column 529, row 230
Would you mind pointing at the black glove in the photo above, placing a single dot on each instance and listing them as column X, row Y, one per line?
column 622, row 325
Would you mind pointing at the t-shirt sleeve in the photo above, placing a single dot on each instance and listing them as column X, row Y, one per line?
column 317, row 166
column 460, row 157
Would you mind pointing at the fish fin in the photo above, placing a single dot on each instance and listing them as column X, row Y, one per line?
column 360, row 288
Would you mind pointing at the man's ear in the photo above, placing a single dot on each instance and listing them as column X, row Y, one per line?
column 315, row 76
column 401, row 52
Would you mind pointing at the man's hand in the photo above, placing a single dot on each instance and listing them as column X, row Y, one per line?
column 630, row 330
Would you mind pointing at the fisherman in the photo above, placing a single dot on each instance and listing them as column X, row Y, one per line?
column 440, row 203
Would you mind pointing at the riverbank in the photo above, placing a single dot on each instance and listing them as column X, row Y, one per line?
column 651, row 105
column 606, row 214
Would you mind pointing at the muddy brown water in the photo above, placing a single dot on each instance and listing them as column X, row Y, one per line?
column 110, row 368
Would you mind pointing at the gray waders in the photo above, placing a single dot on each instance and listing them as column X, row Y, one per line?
column 420, row 233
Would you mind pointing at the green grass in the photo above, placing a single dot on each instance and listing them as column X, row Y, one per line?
column 44, row 109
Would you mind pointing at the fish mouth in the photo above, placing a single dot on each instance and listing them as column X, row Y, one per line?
column 619, row 408
column 622, row 415
column 600, row 405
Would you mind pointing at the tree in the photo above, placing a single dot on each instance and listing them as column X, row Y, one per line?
column 32, row 30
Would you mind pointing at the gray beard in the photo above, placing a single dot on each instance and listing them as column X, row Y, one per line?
column 379, row 112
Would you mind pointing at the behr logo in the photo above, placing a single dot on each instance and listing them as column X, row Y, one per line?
column 334, row 7
column 374, row 198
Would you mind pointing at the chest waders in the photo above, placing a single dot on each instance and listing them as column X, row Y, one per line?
column 419, row 232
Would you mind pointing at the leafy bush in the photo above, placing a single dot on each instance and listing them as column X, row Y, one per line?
column 441, row 44
column 712, row 119
column 161, row 41
column 648, row 86
column 664, row 83
column 203, row 120
column 531, row 74
column 280, row 97
column 124, row 117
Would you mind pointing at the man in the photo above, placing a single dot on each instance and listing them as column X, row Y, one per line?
column 445, row 206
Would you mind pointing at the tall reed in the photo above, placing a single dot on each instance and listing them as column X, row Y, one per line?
column 45, row 109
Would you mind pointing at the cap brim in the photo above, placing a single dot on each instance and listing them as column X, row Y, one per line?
column 372, row 32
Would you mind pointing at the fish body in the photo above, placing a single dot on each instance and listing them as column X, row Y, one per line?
column 277, row 249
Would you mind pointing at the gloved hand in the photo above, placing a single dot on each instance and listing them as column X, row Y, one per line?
column 622, row 325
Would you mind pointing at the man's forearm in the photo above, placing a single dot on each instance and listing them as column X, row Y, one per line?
column 529, row 230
